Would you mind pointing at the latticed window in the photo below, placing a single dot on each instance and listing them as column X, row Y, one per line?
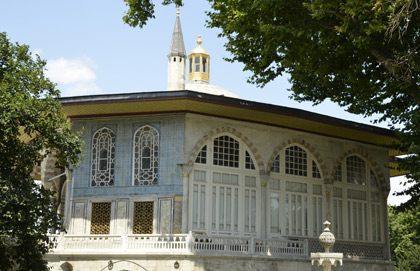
column 276, row 164
column 202, row 156
column 226, row 152
column 249, row 164
column 101, row 218
column 296, row 161
column 315, row 171
column 356, row 170
column 143, row 217
column 103, row 156
column 146, row 156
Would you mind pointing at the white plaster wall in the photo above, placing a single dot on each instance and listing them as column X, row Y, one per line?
column 209, row 263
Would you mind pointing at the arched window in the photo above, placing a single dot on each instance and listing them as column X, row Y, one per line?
column 103, row 155
column 297, row 206
column 356, row 202
column 225, row 189
column 146, row 156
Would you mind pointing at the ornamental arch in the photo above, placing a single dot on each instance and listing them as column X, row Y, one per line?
column 229, row 131
column 304, row 145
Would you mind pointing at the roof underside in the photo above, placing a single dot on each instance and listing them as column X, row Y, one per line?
column 193, row 102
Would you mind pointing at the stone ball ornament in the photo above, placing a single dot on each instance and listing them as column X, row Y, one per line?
column 327, row 259
column 327, row 239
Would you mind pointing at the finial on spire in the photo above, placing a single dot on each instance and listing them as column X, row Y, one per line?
column 177, row 10
column 199, row 42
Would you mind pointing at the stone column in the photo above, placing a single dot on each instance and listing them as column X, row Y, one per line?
column 264, row 178
column 186, row 170
column 67, row 200
column 328, row 196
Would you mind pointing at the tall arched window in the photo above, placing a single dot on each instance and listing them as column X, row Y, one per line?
column 146, row 156
column 297, row 206
column 103, row 155
column 356, row 202
column 225, row 189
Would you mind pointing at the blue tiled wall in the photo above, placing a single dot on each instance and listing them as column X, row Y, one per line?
column 171, row 137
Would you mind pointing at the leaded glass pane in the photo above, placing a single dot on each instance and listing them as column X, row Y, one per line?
column 296, row 161
column 103, row 158
column 202, row 156
column 315, row 171
column 356, row 170
column 249, row 164
column 276, row 164
column 146, row 156
column 226, row 152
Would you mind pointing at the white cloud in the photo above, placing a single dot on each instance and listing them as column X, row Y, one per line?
column 71, row 71
column 73, row 76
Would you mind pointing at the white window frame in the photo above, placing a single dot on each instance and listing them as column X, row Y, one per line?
column 280, row 190
column 242, row 172
column 367, row 216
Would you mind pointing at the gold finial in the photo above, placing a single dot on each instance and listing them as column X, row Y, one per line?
column 199, row 42
column 177, row 10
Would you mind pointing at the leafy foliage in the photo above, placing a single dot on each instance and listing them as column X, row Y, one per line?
column 404, row 230
column 31, row 126
column 362, row 55
column 140, row 11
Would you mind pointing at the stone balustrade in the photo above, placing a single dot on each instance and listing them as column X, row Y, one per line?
column 191, row 243
column 187, row 244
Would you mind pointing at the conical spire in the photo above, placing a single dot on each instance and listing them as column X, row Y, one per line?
column 177, row 44
column 176, row 58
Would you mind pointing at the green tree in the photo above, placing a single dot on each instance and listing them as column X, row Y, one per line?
column 31, row 126
column 404, row 229
column 362, row 55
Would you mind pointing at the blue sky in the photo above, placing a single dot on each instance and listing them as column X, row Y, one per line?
column 91, row 51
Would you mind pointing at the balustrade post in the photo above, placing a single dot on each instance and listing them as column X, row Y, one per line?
column 190, row 241
column 124, row 242
column 306, row 248
column 252, row 245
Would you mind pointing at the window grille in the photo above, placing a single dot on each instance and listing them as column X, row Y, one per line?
column 356, row 170
column 146, row 156
column 276, row 165
column 226, row 152
column 103, row 158
column 249, row 164
column 202, row 156
column 143, row 217
column 101, row 218
column 296, row 161
column 315, row 171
